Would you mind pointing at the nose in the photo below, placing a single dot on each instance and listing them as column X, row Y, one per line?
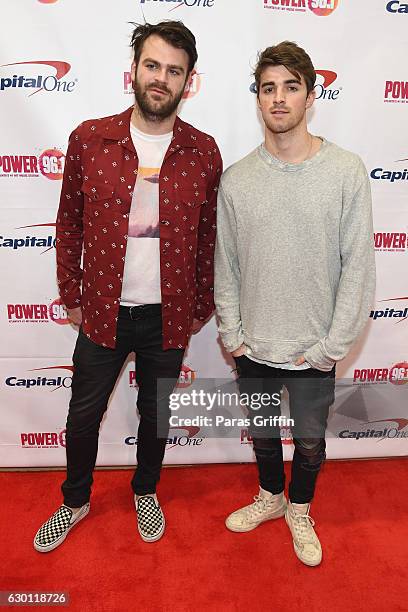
column 161, row 75
column 279, row 97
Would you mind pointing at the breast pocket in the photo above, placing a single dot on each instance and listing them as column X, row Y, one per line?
column 99, row 202
column 193, row 198
column 191, row 203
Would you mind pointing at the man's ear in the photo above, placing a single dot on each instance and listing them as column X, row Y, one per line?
column 189, row 79
column 310, row 98
column 133, row 71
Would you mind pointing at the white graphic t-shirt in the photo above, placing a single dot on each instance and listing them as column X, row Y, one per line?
column 141, row 277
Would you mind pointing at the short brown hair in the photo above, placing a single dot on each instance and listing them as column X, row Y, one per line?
column 174, row 33
column 288, row 54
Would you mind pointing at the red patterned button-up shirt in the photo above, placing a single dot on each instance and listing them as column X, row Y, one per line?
column 93, row 217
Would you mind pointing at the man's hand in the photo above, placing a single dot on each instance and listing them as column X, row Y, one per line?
column 197, row 325
column 300, row 361
column 239, row 351
column 75, row 315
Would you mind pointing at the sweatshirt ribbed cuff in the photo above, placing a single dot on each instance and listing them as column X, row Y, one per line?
column 232, row 340
column 318, row 358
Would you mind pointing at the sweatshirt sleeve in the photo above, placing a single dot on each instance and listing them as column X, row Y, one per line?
column 227, row 282
column 355, row 293
column 206, row 242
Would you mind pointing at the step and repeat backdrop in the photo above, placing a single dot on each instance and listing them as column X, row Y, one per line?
column 63, row 61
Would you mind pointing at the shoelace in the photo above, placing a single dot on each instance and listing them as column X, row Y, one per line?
column 257, row 507
column 302, row 524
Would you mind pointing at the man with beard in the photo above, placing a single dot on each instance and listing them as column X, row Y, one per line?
column 294, row 283
column 138, row 203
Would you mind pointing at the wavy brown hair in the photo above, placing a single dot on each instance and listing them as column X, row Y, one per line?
column 174, row 33
column 288, row 54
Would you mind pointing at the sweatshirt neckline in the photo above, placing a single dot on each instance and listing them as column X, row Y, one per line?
column 278, row 164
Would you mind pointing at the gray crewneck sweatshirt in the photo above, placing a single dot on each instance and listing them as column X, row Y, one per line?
column 294, row 259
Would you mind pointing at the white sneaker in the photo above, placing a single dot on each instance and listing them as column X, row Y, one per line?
column 265, row 507
column 305, row 541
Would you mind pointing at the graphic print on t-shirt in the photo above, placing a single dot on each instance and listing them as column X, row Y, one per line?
column 141, row 274
column 144, row 217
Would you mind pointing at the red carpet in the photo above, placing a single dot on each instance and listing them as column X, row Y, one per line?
column 360, row 511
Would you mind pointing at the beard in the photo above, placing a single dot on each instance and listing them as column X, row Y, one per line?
column 282, row 127
column 156, row 110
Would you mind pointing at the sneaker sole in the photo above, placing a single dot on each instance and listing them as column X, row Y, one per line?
column 279, row 514
column 154, row 538
column 308, row 563
column 61, row 539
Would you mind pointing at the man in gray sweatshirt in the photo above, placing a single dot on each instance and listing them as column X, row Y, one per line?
column 294, row 283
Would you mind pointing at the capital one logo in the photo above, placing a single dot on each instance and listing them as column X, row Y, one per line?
column 16, row 244
column 394, row 427
column 323, row 90
column 175, row 4
column 397, row 314
column 34, row 75
column 186, row 439
column 391, row 175
column 395, row 6
column 318, row 7
column 53, row 383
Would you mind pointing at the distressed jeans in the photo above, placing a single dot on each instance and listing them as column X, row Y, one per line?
column 311, row 393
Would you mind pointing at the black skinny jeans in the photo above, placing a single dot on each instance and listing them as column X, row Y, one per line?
column 96, row 370
column 311, row 393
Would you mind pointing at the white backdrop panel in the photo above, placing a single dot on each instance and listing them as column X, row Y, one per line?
column 359, row 51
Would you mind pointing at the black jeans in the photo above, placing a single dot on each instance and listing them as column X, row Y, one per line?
column 311, row 393
column 96, row 370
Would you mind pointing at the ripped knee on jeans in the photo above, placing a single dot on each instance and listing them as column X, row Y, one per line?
column 313, row 452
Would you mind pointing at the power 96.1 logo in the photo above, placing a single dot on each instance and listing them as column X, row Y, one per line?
column 58, row 313
column 48, row 163
column 323, row 7
column 51, row 164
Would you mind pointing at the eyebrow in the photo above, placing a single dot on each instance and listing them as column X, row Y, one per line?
column 287, row 82
column 172, row 66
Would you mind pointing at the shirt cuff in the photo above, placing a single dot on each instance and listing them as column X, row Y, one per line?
column 318, row 358
column 232, row 340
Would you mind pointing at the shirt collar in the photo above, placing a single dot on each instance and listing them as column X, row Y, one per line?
column 118, row 129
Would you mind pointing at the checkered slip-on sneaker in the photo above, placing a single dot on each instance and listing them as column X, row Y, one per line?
column 150, row 518
column 54, row 531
